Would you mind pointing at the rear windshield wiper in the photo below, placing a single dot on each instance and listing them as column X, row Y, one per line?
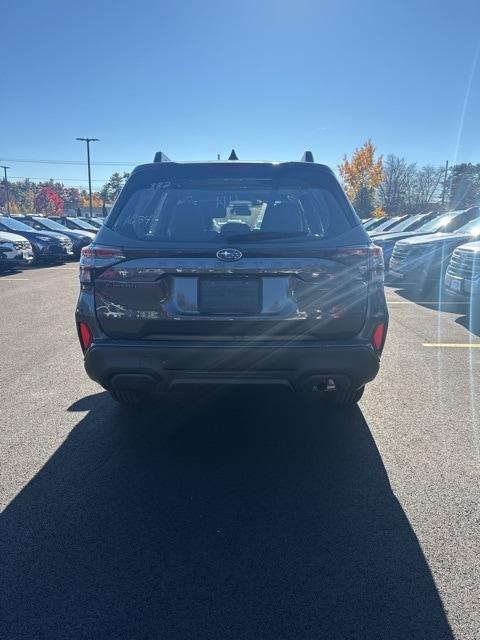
column 253, row 236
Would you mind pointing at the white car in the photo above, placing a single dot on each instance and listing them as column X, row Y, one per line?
column 15, row 251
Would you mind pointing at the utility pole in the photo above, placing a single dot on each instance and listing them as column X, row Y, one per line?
column 88, row 140
column 6, row 187
column 445, row 183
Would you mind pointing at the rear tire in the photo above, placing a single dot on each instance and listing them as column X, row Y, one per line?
column 347, row 398
column 128, row 398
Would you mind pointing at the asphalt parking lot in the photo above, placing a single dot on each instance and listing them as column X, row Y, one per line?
column 232, row 515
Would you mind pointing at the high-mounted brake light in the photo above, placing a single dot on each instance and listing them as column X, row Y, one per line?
column 85, row 335
column 378, row 336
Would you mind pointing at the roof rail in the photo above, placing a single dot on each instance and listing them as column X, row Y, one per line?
column 161, row 157
column 233, row 155
column 308, row 157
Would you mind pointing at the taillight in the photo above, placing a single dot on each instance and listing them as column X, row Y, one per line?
column 376, row 263
column 100, row 251
column 85, row 335
column 378, row 337
column 97, row 257
column 368, row 261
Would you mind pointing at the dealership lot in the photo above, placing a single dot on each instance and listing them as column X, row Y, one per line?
column 237, row 516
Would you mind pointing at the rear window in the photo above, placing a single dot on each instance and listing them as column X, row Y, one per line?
column 239, row 209
column 472, row 227
column 388, row 224
column 447, row 222
column 81, row 224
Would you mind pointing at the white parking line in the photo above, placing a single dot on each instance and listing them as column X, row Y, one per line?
column 442, row 302
column 13, row 279
column 453, row 345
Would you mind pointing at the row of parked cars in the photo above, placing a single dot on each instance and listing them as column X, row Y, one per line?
column 433, row 252
column 35, row 239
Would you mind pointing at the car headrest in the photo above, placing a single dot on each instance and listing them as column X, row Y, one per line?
column 231, row 228
column 284, row 216
column 188, row 221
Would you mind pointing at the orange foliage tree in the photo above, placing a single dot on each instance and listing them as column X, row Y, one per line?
column 85, row 199
column 361, row 176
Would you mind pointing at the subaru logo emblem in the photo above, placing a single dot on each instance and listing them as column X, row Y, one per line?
column 229, row 255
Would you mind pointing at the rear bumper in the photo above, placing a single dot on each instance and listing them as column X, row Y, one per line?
column 160, row 367
column 462, row 288
column 415, row 276
column 54, row 254
column 7, row 263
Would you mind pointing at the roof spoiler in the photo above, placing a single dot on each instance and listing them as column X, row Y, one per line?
column 308, row 157
column 161, row 157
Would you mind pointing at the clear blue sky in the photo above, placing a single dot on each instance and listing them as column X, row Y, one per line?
column 268, row 77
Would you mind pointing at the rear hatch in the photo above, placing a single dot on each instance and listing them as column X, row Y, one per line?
column 231, row 252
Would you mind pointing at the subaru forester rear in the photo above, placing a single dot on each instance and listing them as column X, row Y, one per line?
column 232, row 273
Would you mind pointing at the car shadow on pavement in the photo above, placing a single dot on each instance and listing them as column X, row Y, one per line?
column 467, row 323
column 220, row 516
column 444, row 302
column 9, row 272
column 432, row 300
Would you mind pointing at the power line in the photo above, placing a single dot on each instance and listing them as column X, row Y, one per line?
column 59, row 179
column 71, row 162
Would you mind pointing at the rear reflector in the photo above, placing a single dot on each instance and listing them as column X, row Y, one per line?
column 378, row 336
column 85, row 335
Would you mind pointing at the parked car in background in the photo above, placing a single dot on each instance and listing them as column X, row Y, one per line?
column 373, row 222
column 409, row 223
column 79, row 239
column 388, row 224
column 290, row 296
column 47, row 246
column 462, row 279
column 74, row 223
column 436, row 223
column 15, row 251
column 423, row 259
column 95, row 222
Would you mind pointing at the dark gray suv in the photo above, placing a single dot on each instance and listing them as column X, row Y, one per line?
column 232, row 273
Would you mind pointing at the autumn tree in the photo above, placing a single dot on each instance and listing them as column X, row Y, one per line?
column 71, row 197
column 48, row 201
column 85, row 199
column 361, row 176
column 23, row 192
column 12, row 204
